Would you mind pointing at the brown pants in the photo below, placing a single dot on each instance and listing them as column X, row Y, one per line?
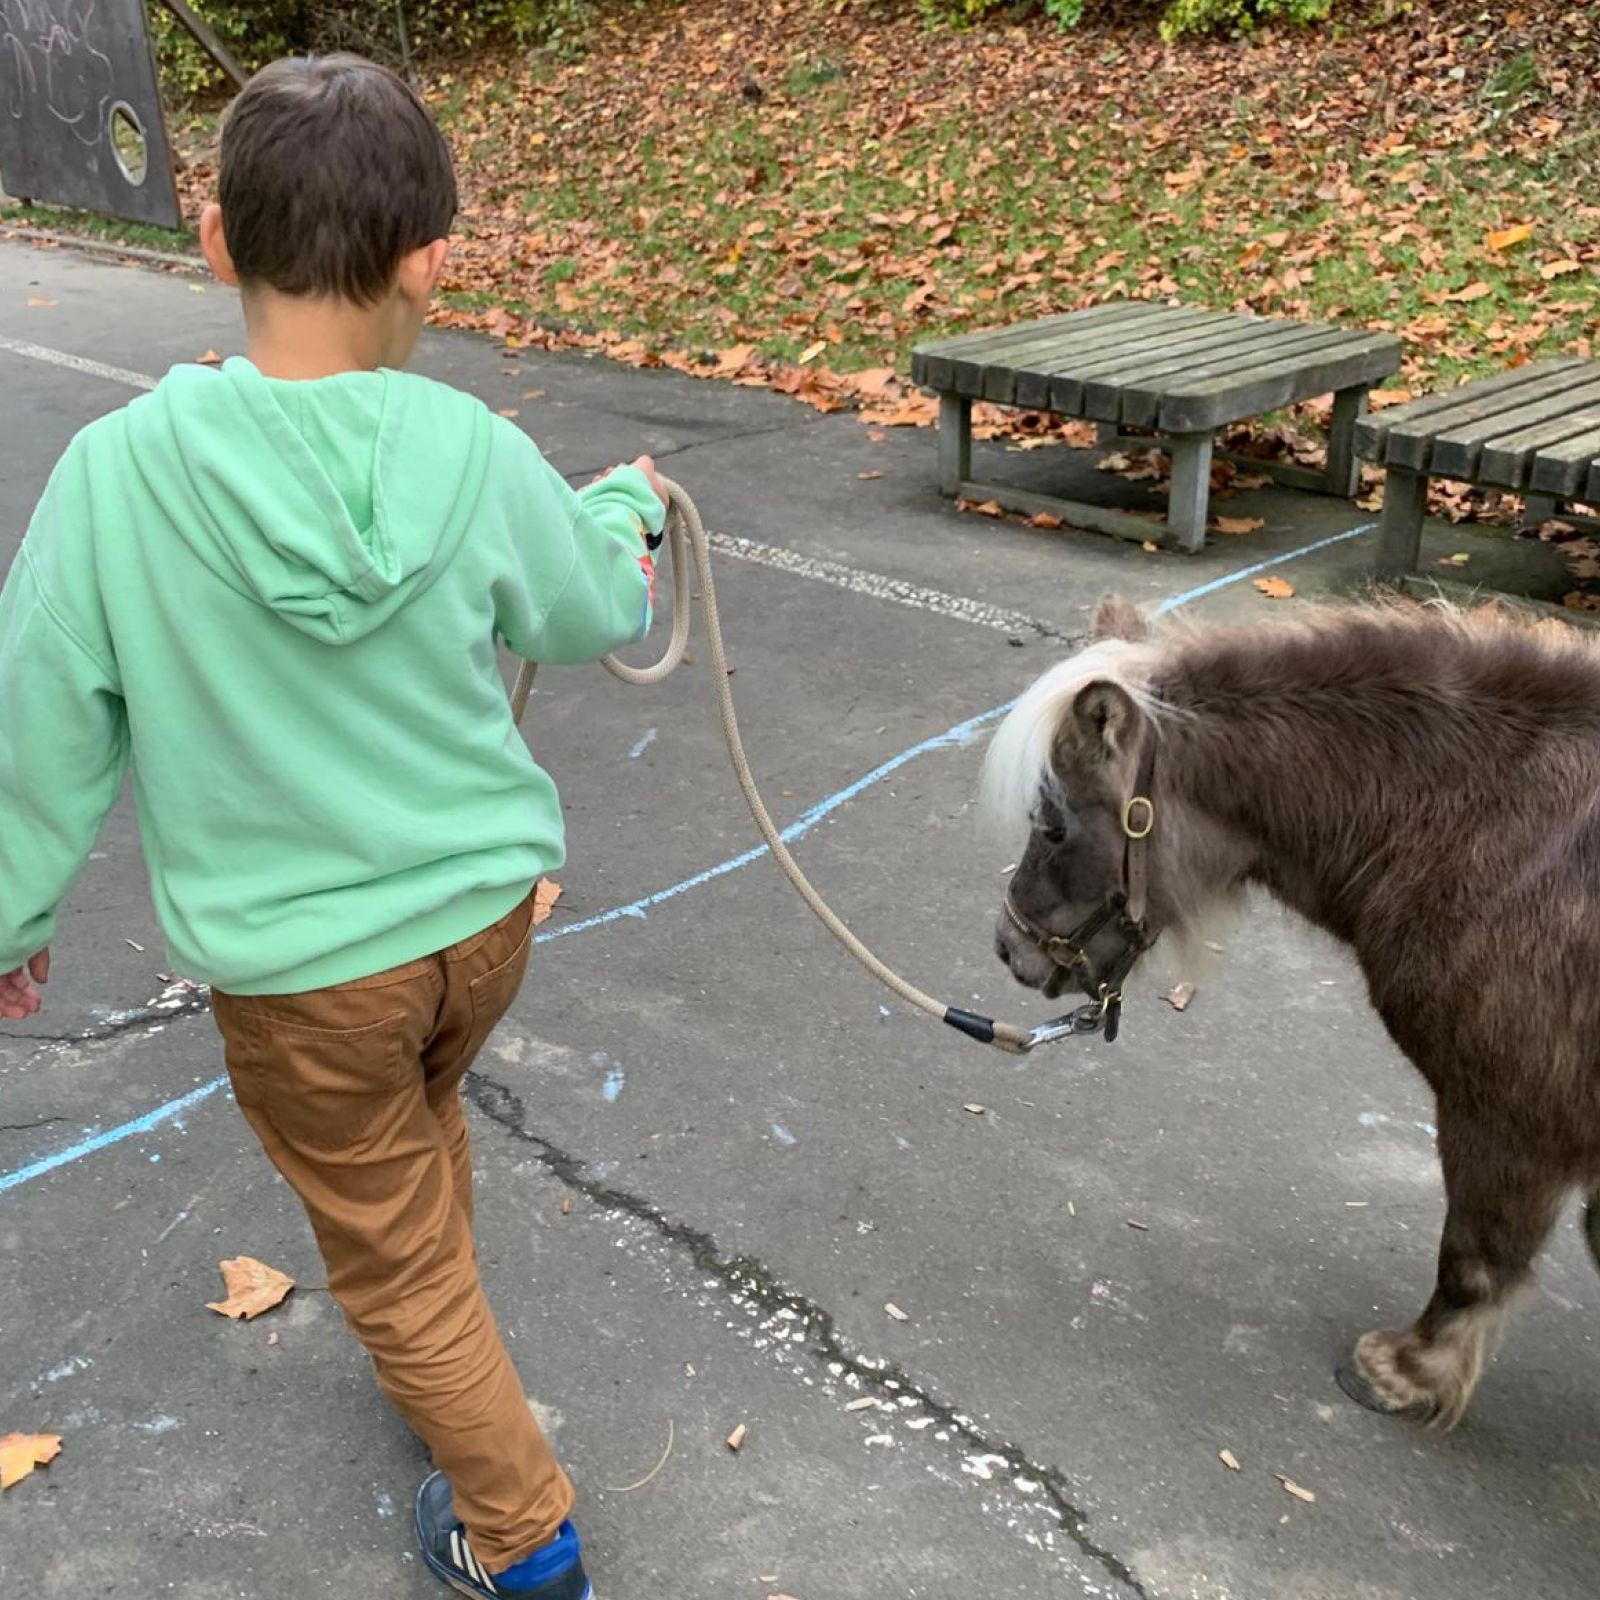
column 353, row 1092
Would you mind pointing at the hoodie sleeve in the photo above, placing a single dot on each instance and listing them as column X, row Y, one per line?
column 588, row 567
column 63, row 741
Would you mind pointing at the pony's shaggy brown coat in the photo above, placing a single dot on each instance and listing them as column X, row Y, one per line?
column 1426, row 787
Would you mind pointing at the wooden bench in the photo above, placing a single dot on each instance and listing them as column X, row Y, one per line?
column 1146, row 368
column 1535, row 431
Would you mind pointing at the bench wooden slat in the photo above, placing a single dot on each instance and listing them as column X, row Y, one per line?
column 1457, row 452
column 1507, row 461
column 962, row 369
column 970, row 371
column 1560, row 469
column 1372, row 431
column 930, row 361
column 1073, row 389
column 1138, row 398
column 1411, row 441
column 1005, row 383
column 1228, row 350
column 1352, row 361
column 1033, row 384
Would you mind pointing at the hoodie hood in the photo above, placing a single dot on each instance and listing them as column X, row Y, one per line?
column 332, row 502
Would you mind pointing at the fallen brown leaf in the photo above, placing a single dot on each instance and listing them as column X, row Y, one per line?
column 812, row 351
column 1506, row 238
column 566, row 1205
column 40, row 302
column 1179, row 996
column 544, row 900
column 1275, row 588
column 1240, row 524
column 737, row 1437
column 1229, row 1460
column 209, row 359
column 253, row 1287
column 1046, row 519
column 1552, row 270
column 975, row 1108
column 868, row 476
column 508, row 412
column 20, row 1453
column 1473, row 291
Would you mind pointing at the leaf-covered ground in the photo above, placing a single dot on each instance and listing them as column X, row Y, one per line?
column 793, row 193
column 822, row 184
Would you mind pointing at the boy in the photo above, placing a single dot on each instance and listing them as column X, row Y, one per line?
column 276, row 589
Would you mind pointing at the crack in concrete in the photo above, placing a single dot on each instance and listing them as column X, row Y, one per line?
column 744, row 1276
column 24, row 1127
column 192, row 1004
column 573, row 473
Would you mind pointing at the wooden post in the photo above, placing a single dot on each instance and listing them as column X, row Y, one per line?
column 1191, row 489
column 201, row 32
column 1344, row 471
column 1538, row 509
column 1405, row 498
column 955, row 441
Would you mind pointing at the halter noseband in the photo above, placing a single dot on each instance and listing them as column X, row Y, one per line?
column 1123, row 910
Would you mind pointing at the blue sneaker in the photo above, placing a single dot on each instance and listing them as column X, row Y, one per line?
column 553, row 1572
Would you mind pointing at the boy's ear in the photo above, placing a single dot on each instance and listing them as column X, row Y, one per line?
column 214, row 246
column 420, row 269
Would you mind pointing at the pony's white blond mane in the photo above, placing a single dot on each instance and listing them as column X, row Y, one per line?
column 1018, row 764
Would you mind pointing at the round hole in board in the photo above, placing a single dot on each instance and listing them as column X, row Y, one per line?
column 128, row 143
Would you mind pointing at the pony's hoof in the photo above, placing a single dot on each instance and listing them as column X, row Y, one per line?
column 1356, row 1384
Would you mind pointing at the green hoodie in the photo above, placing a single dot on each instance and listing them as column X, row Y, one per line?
column 281, row 601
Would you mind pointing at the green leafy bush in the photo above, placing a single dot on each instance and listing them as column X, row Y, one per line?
column 1237, row 16
column 1177, row 16
column 257, row 31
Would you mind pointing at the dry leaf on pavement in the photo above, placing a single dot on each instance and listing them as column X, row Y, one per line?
column 1291, row 1487
column 20, row 1453
column 1240, row 524
column 253, row 1287
column 1229, row 1460
column 1275, row 588
column 209, row 359
column 544, row 900
column 737, row 1437
column 1179, row 996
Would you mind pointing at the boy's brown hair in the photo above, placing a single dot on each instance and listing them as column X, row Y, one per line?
column 332, row 171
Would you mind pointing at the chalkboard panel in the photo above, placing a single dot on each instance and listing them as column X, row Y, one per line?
column 80, row 114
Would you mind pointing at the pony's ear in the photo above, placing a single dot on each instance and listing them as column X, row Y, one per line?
column 1119, row 619
column 1104, row 723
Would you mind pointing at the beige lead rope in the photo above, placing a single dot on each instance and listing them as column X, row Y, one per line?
column 684, row 524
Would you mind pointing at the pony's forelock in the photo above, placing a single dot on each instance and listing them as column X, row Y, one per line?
column 1018, row 763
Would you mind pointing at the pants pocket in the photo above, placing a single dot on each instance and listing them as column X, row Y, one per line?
column 324, row 1088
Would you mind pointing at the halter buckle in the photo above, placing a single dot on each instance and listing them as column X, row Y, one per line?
column 1144, row 807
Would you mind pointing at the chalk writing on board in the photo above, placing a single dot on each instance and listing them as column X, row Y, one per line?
column 48, row 57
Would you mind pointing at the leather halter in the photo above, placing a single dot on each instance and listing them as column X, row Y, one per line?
column 1123, row 911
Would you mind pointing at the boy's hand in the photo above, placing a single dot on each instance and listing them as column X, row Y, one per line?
column 19, row 998
column 648, row 467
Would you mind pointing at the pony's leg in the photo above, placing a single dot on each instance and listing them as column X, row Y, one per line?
column 1502, row 1204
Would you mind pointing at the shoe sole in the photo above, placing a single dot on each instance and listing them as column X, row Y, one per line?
column 474, row 1592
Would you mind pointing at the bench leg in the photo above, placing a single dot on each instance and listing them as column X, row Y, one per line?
column 1405, row 498
column 955, row 441
column 1538, row 509
column 1343, row 470
column 1191, row 489
column 1107, row 435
